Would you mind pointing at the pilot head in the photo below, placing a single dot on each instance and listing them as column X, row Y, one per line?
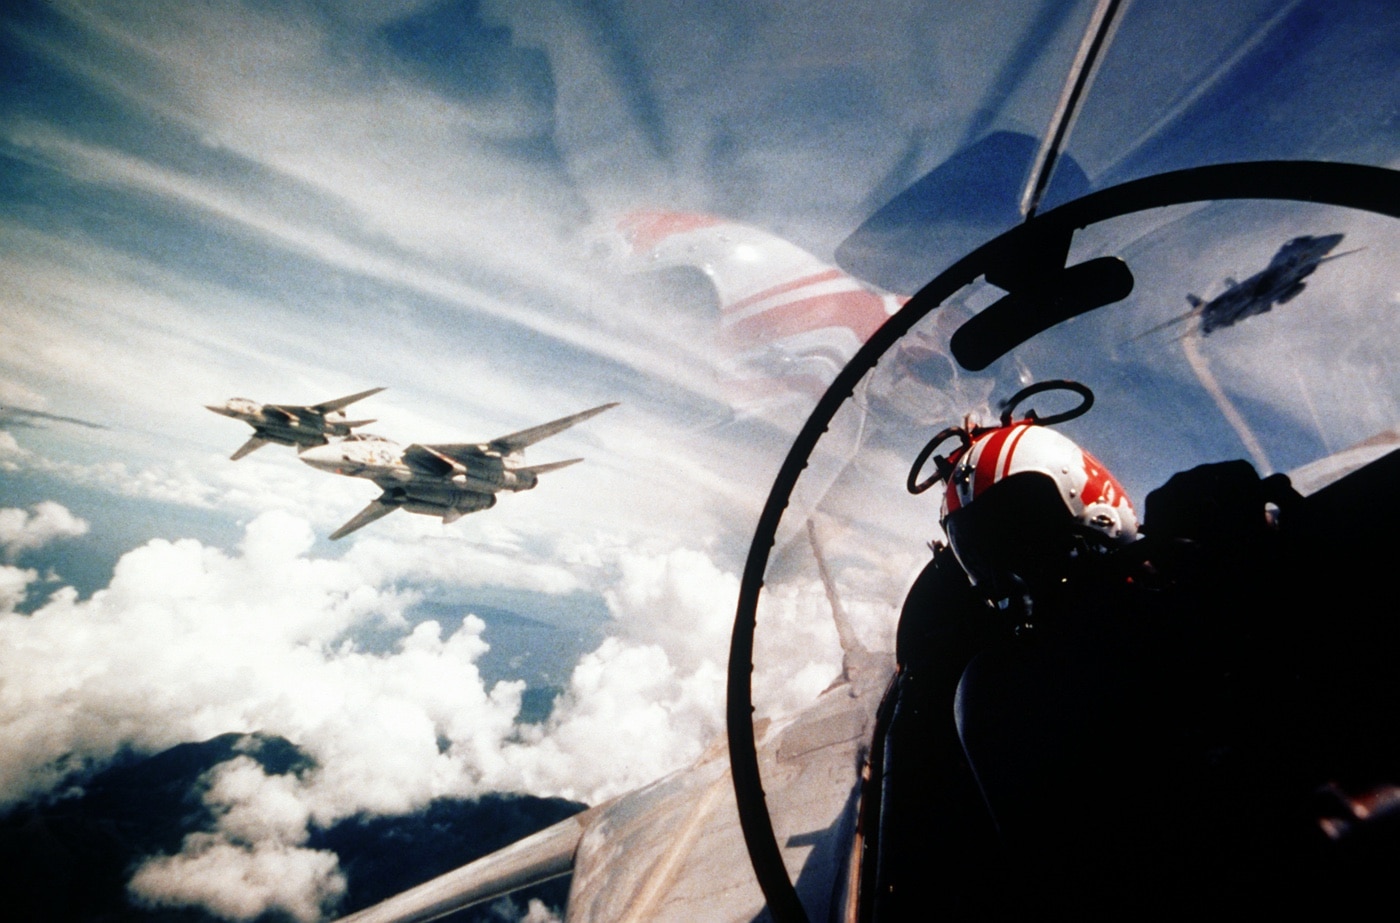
column 1025, row 507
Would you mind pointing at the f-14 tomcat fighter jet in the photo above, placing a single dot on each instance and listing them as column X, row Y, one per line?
column 291, row 424
column 449, row 480
column 1278, row 283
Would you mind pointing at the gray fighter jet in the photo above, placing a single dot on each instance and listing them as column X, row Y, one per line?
column 291, row 424
column 449, row 480
column 1278, row 283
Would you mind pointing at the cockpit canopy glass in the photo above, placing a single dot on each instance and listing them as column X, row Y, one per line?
column 1259, row 329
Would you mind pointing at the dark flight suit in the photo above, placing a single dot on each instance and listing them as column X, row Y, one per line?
column 1168, row 737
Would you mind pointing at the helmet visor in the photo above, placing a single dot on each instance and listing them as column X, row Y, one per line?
column 1016, row 537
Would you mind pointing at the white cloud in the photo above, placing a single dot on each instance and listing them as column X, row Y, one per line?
column 537, row 912
column 14, row 584
column 506, row 910
column 241, row 883
column 10, row 452
column 628, row 717
column 45, row 522
column 253, row 862
column 680, row 601
column 651, row 699
column 188, row 642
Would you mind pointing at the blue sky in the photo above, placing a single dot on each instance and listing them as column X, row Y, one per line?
column 297, row 203
column 292, row 202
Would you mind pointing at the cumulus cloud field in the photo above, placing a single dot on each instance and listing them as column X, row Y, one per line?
column 189, row 642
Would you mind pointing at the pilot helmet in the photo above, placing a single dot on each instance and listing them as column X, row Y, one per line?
column 1024, row 504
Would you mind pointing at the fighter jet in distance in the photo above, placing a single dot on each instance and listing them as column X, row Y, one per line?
column 448, row 480
column 1278, row 283
column 12, row 416
column 291, row 424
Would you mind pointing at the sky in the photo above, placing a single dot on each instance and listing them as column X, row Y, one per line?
column 298, row 201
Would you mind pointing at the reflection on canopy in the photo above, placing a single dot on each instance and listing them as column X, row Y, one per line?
column 1286, row 387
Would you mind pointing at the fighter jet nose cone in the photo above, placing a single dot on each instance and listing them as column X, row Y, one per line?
column 322, row 456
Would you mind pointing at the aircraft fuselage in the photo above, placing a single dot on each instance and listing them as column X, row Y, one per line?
column 1277, row 283
column 448, row 479
column 384, row 462
column 292, row 424
column 302, row 427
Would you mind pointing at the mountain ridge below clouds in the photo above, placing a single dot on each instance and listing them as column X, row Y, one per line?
column 69, row 858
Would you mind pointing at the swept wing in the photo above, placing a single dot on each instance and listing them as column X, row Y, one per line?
column 377, row 509
column 535, row 859
column 547, row 466
column 252, row 445
column 339, row 403
column 507, row 445
column 431, row 457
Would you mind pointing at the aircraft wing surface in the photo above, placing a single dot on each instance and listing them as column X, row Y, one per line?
column 341, row 403
column 249, row 447
column 528, row 437
column 377, row 509
column 1314, row 476
column 548, row 466
column 431, row 460
column 535, row 859
column 673, row 850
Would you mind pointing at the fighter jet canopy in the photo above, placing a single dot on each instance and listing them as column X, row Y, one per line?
column 1112, row 174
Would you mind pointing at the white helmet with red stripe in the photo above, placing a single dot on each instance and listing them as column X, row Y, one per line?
column 1023, row 503
column 1091, row 494
column 1024, row 507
